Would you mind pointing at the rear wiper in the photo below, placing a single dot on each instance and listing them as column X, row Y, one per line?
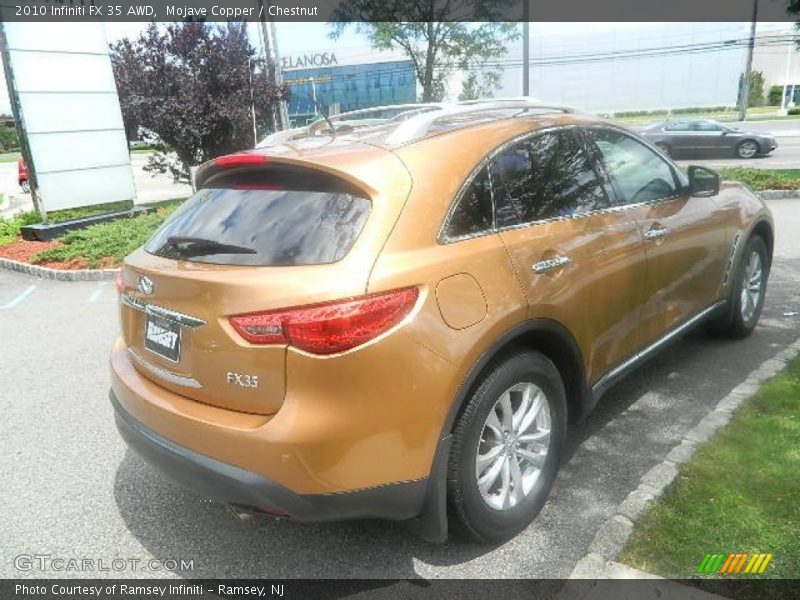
column 195, row 246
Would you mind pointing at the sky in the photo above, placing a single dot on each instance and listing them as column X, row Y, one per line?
column 546, row 38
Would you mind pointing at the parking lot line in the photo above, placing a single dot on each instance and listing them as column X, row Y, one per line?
column 19, row 297
column 97, row 292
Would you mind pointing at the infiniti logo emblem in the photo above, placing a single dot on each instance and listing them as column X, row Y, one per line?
column 145, row 285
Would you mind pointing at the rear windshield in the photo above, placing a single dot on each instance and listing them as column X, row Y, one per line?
column 277, row 218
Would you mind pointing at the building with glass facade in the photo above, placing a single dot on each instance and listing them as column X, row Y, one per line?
column 344, row 87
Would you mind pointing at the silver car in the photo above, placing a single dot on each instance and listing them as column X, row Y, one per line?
column 707, row 136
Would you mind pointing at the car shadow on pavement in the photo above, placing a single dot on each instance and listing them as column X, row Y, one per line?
column 174, row 523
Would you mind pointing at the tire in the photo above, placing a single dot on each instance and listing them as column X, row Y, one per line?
column 664, row 148
column 489, row 516
column 747, row 149
column 26, row 186
column 744, row 310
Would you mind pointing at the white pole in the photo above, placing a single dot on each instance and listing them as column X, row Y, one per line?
column 314, row 96
column 789, row 49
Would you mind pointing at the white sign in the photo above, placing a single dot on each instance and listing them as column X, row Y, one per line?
column 69, row 108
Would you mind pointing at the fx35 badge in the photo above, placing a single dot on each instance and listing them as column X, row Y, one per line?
column 247, row 381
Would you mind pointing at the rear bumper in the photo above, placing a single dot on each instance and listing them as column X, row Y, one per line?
column 230, row 484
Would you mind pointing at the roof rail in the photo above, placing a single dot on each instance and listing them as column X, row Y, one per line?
column 419, row 125
column 322, row 125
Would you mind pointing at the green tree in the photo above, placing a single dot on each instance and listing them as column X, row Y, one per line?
column 774, row 95
column 756, row 95
column 435, row 41
column 9, row 138
column 476, row 86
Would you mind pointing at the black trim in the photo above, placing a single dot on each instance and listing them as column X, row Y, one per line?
column 227, row 483
column 641, row 356
column 507, row 339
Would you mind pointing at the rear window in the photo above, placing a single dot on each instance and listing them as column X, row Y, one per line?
column 282, row 217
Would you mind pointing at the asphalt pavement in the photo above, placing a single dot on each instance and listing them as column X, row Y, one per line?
column 71, row 489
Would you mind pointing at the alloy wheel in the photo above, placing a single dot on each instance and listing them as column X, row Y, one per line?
column 751, row 286
column 747, row 149
column 513, row 446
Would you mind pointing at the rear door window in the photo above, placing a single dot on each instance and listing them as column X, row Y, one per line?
column 273, row 218
column 547, row 176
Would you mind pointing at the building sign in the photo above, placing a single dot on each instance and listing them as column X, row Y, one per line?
column 317, row 59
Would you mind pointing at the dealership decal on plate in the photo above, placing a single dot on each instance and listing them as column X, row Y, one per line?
column 163, row 337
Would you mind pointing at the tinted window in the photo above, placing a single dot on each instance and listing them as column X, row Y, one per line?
column 706, row 126
column 637, row 173
column 546, row 176
column 275, row 220
column 473, row 213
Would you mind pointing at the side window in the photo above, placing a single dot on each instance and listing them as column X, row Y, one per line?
column 546, row 176
column 637, row 173
column 706, row 126
column 677, row 127
column 473, row 213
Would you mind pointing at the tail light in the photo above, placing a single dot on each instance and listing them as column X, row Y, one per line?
column 330, row 327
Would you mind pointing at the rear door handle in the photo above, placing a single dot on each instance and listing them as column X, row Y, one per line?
column 543, row 266
column 654, row 234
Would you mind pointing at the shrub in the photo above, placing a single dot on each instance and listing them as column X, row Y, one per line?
column 9, row 227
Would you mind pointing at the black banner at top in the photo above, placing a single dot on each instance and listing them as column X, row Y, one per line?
column 399, row 10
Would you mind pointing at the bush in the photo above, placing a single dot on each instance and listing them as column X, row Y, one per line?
column 67, row 214
column 794, row 111
column 9, row 140
column 115, row 239
column 775, row 95
column 9, row 227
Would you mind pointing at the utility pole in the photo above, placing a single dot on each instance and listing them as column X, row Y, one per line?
column 273, row 67
column 526, row 40
column 282, row 109
column 252, row 101
column 744, row 94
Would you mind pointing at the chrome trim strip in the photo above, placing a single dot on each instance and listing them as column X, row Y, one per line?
column 655, row 346
column 152, row 309
column 163, row 373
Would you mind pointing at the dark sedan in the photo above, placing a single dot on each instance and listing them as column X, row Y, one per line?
column 706, row 136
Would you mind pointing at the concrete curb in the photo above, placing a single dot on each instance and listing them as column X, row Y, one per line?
column 779, row 194
column 57, row 274
column 612, row 535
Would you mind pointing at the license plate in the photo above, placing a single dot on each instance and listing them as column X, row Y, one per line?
column 163, row 337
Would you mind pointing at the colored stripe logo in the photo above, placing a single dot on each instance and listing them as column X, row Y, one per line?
column 734, row 563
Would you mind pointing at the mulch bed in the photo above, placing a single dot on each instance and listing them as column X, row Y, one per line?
column 22, row 251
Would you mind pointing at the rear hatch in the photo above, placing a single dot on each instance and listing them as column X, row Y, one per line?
column 254, row 238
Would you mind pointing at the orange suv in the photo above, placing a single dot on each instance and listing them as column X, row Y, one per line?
column 398, row 320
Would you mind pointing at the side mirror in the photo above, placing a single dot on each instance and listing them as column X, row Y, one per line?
column 703, row 182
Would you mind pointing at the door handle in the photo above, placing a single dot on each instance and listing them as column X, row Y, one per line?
column 654, row 234
column 543, row 266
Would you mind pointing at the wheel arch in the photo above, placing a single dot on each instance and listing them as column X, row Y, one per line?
column 763, row 229
column 550, row 338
